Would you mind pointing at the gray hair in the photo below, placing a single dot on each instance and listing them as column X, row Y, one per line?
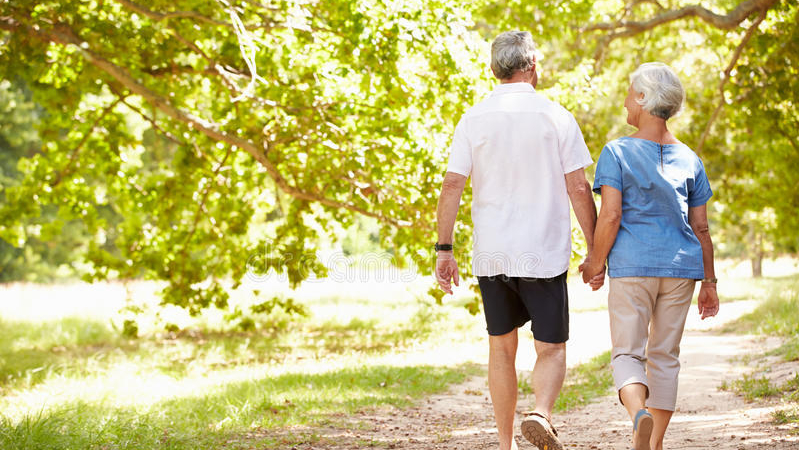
column 512, row 51
column 663, row 92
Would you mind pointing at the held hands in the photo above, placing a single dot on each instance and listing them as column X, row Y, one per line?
column 446, row 271
column 708, row 300
column 593, row 273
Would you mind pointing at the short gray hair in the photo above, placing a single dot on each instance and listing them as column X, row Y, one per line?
column 512, row 51
column 663, row 92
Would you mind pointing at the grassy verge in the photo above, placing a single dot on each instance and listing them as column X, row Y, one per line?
column 777, row 315
column 583, row 383
column 246, row 414
column 72, row 381
column 586, row 382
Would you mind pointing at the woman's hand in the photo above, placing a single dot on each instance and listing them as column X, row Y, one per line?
column 708, row 300
column 598, row 280
column 593, row 273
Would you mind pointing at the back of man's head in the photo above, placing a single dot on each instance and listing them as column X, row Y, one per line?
column 511, row 52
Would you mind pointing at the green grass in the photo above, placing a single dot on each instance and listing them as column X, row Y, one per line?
column 240, row 415
column 735, row 288
column 754, row 388
column 582, row 384
column 70, row 380
column 751, row 387
column 586, row 382
column 787, row 415
column 777, row 315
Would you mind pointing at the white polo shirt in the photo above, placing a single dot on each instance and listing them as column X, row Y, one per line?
column 517, row 145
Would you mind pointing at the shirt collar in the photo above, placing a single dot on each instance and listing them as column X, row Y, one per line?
column 511, row 88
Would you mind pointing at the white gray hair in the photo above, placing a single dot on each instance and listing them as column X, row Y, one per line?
column 512, row 51
column 663, row 92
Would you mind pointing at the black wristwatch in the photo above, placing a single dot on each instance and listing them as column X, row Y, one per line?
column 444, row 247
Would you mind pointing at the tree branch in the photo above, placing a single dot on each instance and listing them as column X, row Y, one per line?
column 159, row 16
column 144, row 116
column 201, row 207
column 725, row 22
column 790, row 138
column 74, row 154
column 727, row 72
column 62, row 34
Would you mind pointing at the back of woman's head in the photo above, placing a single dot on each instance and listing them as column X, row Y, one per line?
column 663, row 92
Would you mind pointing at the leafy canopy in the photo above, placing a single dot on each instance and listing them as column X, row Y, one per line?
column 196, row 140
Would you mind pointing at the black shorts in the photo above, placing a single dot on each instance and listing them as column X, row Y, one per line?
column 509, row 302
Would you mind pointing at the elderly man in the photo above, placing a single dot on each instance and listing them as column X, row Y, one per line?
column 526, row 157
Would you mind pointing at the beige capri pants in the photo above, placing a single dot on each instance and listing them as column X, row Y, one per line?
column 647, row 318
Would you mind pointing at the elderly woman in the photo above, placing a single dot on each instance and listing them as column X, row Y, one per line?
column 653, row 229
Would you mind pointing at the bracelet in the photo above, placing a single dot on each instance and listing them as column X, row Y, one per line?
column 710, row 280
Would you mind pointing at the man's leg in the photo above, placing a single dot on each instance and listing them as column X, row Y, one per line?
column 548, row 374
column 502, row 383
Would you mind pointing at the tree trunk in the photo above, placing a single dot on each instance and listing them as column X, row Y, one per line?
column 754, row 250
column 757, row 265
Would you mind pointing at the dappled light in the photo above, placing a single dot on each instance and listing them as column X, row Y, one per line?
column 316, row 224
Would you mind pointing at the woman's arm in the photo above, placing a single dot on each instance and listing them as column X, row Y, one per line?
column 708, row 297
column 607, row 226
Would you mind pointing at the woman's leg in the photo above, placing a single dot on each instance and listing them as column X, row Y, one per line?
column 630, row 304
column 633, row 397
column 661, row 418
column 663, row 351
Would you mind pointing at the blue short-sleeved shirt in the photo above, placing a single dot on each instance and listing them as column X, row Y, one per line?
column 658, row 184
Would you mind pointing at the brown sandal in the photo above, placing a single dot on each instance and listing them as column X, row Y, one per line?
column 537, row 429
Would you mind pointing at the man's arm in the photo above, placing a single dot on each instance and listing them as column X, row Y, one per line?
column 448, row 203
column 584, row 208
column 708, row 300
column 447, row 212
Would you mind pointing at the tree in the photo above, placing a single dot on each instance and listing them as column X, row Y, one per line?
column 738, row 62
column 314, row 113
column 51, row 250
column 229, row 136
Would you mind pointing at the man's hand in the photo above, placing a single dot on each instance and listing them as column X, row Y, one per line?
column 446, row 271
column 708, row 300
column 593, row 273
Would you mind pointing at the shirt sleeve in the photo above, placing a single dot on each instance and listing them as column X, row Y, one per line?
column 460, row 156
column 574, row 153
column 608, row 171
column 701, row 191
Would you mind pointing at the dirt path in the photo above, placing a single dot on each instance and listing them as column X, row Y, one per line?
column 707, row 418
